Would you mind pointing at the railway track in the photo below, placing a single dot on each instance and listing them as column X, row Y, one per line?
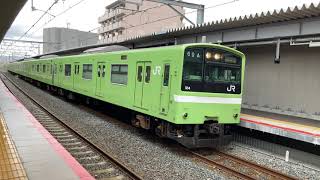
column 83, row 151
column 99, row 163
column 238, row 167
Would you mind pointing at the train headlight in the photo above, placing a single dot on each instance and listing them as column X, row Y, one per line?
column 217, row 56
column 208, row 55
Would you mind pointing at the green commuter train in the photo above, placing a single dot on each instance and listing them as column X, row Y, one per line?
column 190, row 93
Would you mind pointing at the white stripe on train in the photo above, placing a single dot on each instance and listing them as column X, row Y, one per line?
column 215, row 100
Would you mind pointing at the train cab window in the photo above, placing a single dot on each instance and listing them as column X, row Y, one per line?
column 67, row 69
column 119, row 74
column 139, row 75
column 166, row 75
column 87, row 71
column 148, row 74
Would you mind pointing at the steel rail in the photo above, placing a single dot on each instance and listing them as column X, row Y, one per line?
column 258, row 167
column 126, row 169
column 231, row 171
column 198, row 156
column 218, row 165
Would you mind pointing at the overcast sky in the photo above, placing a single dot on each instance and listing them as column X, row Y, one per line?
column 85, row 15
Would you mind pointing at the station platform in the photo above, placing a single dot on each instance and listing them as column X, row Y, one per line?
column 306, row 130
column 27, row 150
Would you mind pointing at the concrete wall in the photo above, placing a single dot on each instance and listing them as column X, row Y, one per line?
column 63, row 38
column 291, row 87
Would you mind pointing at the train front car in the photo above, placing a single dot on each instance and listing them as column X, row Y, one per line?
column 209, row 100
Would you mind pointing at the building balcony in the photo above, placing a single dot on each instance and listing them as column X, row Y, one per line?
column 103, row 18
column 113, row 13
column 112, row 39
column 101, row 30
column 111, row 27
column 115, row 26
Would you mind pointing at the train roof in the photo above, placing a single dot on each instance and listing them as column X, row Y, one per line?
column 122, row 50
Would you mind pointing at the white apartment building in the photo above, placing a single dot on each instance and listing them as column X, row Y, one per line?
column 129, row 18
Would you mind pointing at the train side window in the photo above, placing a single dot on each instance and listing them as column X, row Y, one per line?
column 103, row 70
column 166, row 75
column 55, row 69
column 99, row 67
column 44, row 68
column 38, row 68
column 87, row 71
column 119, row 74
column 148, row 74
column 67, row 69
column 139, row 75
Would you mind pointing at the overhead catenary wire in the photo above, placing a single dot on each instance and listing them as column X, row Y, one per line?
column 134, row 12
column 45, row 12
column 158, row 20
column 133, row 26
column 61, row 13
column 33, row 25
column 55, row 2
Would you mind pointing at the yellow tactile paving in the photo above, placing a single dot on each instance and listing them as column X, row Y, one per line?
column 286, row 124
column 10, row 164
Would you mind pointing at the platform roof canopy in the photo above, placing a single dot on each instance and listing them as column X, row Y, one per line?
column 9, row 9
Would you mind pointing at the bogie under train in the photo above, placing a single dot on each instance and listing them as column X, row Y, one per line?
column 190, row 93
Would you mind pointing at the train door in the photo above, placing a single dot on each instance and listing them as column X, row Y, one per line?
column 101, row 81
column 143, row 92
column 60, row 74
column 165, row 89
column 76, row 75
column 54, row 72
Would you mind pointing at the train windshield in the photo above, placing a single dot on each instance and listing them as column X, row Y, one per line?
column 211, row 70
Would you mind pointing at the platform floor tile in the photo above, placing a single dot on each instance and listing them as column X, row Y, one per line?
column 10, row 164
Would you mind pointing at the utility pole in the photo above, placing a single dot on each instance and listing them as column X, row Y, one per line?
column 198, row 7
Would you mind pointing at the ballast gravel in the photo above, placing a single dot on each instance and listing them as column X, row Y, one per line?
column 152, row 157
column 264, row 158
column 141, row 151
